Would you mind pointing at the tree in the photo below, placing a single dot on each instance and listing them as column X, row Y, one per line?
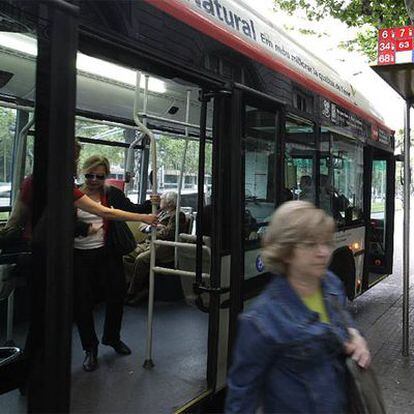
column 89, row 129
column 171, row 150
column 366, row 15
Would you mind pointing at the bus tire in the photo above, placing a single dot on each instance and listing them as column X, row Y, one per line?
column 343, row 265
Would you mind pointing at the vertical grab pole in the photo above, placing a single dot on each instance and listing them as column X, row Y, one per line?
column 200, row 202
column 148, row 363
column 129, row 168
column 406, row 236
column 10, row 318
column 180, row 182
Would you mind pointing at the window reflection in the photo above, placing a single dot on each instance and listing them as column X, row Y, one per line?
column 341, row 178
column 300, row 156
column 260, row 168
column 378, row 211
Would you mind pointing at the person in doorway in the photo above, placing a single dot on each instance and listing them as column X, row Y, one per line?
column 290, row 351
column 137, row 263
column 307, row 192
column 97, row 267
column 331, row 201
column 21, row 215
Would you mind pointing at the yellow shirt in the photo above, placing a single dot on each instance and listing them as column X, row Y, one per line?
column 316, row 303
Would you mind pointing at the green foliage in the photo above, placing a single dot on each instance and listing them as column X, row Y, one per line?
column 366, row 15
column 171, row 151
column 7, row 127
column 89, row 129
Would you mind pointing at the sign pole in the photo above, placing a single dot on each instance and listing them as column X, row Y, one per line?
column 406, row 235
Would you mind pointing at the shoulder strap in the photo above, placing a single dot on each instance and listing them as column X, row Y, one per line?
column 107, row 198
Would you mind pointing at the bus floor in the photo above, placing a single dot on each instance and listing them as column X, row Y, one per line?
column 121, row 384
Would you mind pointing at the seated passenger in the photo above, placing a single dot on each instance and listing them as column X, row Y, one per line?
column 137, row 263
column 307, row 191
column 325, row 194
column 331, row 201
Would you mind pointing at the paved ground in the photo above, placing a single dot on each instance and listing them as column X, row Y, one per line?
column 379, row 315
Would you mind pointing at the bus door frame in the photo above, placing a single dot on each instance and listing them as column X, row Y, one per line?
column 371, row 154
column 242, row 95
column 49, row 370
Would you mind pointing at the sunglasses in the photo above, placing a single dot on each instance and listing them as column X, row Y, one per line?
column 95, row 176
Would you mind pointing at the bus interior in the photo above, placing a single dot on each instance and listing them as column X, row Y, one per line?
column 171, row 109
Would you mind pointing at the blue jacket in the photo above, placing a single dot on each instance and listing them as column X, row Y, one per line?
column 285, row 359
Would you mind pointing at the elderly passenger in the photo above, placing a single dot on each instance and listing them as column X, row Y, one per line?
column 291, row 345
column 137, row 263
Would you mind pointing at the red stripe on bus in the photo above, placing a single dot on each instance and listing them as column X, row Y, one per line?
column 206, row 26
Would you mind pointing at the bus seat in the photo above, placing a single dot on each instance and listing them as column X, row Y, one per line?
column 187, row 261
column 116, row 183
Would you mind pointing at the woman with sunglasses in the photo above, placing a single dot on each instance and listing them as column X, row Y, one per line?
column 21, row 215
column 97, row 267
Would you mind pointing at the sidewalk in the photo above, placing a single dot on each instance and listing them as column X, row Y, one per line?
column 378, row 314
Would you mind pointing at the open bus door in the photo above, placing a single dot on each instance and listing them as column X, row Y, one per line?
column 257, row 177
column 380, row 207
column 43, row 278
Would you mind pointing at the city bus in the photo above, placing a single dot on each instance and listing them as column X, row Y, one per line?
column 267, row 121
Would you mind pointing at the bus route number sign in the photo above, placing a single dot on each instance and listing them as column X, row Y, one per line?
column 395, row 45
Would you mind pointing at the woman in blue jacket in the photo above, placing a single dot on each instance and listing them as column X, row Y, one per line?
column 291, row 345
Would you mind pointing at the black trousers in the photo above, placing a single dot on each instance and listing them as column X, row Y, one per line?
column 98, row 275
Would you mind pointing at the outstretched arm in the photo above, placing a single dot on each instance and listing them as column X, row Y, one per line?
column 86, row 204
column 19, row 214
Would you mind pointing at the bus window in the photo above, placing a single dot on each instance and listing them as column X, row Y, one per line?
column 106, row 137
column 170, row 158
column 300, row 153
column 378, row 211
column 259, row 144
column 346, row 188
column 7, row 130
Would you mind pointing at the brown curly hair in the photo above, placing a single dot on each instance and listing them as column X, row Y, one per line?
column 292, row 223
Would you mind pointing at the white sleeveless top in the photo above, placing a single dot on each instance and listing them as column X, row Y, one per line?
column 94, row 241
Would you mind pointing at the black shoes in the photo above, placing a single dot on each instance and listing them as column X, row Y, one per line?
column 90, row 362
column 118, row 346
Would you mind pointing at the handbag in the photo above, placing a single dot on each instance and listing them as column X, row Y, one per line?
column 120, row 237
column 363, row 392
column 362, row 389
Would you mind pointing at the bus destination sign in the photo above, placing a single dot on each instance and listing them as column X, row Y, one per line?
column 395, row 45
column 342, row 118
